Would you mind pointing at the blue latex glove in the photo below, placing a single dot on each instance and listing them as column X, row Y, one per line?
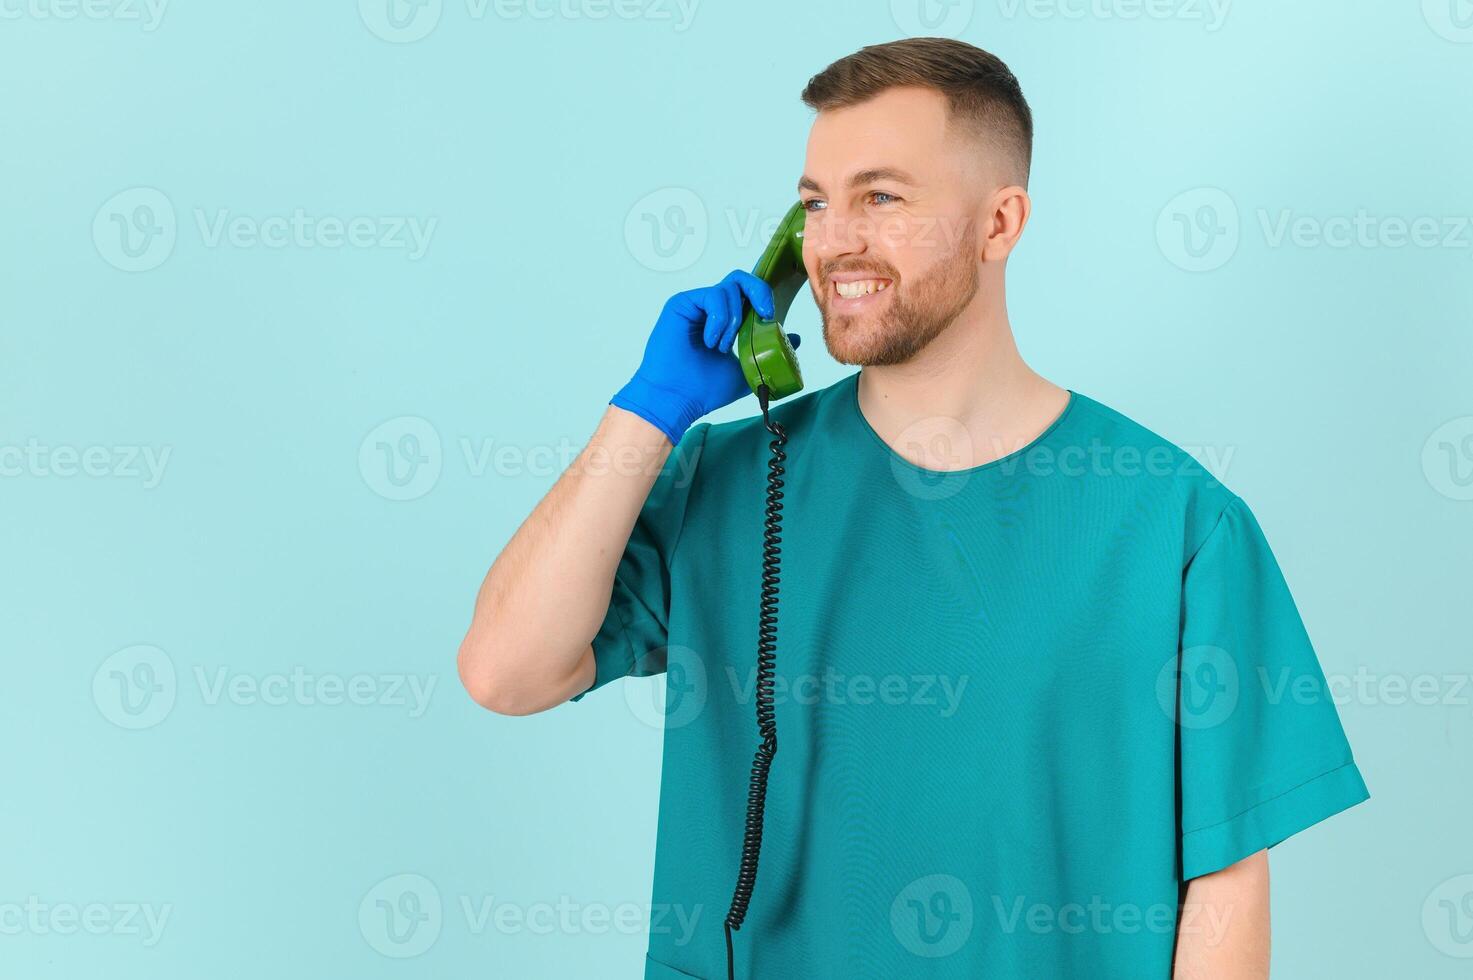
column 688, row 370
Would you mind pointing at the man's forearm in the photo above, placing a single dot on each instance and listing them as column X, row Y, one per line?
column 1223, row 929
column 546, row 594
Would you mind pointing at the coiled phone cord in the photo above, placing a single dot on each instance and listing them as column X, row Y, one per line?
column 766, row 664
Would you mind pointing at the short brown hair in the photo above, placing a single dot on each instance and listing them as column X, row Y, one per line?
column 980, row 90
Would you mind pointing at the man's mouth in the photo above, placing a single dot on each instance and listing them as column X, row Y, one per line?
column 860, row 287
column 852, row 293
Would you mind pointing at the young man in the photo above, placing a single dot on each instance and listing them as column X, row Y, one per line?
column 1033, row 662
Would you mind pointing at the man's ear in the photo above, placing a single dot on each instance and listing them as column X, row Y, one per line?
column 1002, row 220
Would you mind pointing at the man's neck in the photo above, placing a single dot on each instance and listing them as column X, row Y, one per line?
column 967, row 399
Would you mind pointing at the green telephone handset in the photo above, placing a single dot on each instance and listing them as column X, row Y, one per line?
column 762, row 345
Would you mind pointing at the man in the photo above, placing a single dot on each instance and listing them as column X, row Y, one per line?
column 1032, row 659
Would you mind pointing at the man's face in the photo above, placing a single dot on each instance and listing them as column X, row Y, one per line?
column 889, row 241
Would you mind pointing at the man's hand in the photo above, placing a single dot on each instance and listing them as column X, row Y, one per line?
column 1223, row 930
column 688, row 370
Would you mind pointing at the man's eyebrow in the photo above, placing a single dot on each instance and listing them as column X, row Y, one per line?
column 861, row 177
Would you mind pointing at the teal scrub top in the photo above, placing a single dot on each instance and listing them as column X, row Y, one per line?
column 1018, row 705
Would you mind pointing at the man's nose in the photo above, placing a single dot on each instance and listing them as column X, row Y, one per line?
column 830, row 234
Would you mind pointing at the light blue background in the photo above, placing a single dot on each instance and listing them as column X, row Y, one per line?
column 1332, row 378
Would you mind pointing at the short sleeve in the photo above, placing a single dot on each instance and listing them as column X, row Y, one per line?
column 1263, row 754
column 635, row 630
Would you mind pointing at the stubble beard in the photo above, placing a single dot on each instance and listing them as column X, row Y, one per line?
column 929, row 305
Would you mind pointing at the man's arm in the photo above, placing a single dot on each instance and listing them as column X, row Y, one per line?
column 1223, row 929
column 528, row 646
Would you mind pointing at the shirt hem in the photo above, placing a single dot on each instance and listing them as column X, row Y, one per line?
column 1271, row 822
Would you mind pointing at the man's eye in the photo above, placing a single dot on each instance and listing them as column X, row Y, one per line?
column 813, row 204
column 889, row 198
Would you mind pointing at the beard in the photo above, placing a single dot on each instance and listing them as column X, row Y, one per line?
column 913, row 317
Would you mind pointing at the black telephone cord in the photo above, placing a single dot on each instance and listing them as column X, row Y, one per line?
column 766, row 664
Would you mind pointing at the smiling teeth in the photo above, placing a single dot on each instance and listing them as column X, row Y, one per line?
column 861, row 287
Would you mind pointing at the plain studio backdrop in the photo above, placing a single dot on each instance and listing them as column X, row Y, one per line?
column 305, row 305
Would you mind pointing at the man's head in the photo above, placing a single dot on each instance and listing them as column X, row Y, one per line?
column 915, row 191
